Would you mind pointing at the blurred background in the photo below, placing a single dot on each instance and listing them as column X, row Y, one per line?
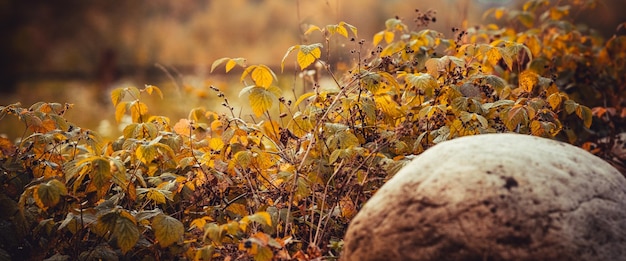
column 76, row 51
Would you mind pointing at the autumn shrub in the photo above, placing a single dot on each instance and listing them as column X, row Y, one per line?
column 285, row 181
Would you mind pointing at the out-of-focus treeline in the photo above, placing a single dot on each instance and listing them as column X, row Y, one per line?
column 103, row 41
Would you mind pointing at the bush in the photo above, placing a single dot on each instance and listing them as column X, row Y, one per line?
column 285, row 183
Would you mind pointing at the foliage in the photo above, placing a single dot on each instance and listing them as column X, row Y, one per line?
column 285, row 184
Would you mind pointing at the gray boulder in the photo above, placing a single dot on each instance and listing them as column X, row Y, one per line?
column 495, row 197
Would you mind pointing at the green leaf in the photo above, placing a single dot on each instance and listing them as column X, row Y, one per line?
column 101, row 172
column 570, row 106
column 105, row 223
column 167, row 230
column 126, row 231
column 49, row 194
column 526, row 18
column 336, row 154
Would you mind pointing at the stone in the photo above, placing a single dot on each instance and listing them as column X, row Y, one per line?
column 495, row 197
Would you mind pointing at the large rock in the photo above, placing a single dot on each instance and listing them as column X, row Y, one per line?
column 495, row 197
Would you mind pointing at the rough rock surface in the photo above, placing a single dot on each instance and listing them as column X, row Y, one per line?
column 495, row 197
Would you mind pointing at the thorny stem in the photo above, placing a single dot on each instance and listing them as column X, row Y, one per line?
column 319, row 221
column 306, row 154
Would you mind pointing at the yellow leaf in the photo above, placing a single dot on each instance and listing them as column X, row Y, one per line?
column 264, row 253
column 585, row 114
column 230, row 65
column 167, row 230
column 300, row 124
column 243, row 158
column 343, row 140
column 558, row 12
column 351, row 27
column 120, row 109
column 378, row 37
column 499, row 12
column 282, row 62
column 183, row 127
column 516, row 115
column 204, row 253
column 259, row 217
column 302, row 98
column 311, row 29
column 308, row 54
column 158, row 196
column 389, row 36
column 534, row 45
column 218, row 62
column 235, row 61
column 261, row 100
column 342, row 31
column 536, row 129
column 117, row 95
column 527, row 80
column 199, row 223
column 423, row 81
column 152, row 88
column 146, row 153
column 260, row 74
column 493, row 55
column 138, row 110
column 387, row 105
column 555, row 100
column 216, row 143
